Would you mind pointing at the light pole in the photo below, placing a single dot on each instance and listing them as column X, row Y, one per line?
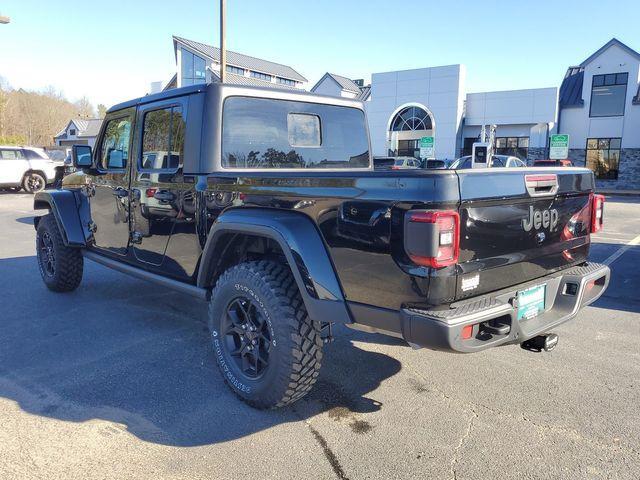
column 223, row 49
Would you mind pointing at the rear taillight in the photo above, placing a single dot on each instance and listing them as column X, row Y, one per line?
column 437, row 246
column 597, row 213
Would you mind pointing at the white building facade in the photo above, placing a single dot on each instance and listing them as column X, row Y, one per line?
column 597, row 105
column 407, row 105
column 600, row 110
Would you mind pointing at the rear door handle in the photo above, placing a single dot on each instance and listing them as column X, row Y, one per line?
column 164, row 196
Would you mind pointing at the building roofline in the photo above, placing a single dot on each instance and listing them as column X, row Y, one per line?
column 322, row 78
column 185, row 42
column 610, row 43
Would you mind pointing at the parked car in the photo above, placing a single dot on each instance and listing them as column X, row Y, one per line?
column 552, row 163
column 437, row 164
column 27, row 168
column 402, row 163
column 307, row 234
column 496, row 161
column 383, row 163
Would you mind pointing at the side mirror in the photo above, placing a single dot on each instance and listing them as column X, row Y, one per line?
column 81, row 156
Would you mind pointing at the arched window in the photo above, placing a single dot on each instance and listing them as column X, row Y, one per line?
column 411, row 118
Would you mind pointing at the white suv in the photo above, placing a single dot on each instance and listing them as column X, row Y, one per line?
column 25, row 167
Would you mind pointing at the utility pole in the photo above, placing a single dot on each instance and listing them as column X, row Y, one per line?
column 223, row 49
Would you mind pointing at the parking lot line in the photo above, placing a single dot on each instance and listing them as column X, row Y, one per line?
column 618, row 253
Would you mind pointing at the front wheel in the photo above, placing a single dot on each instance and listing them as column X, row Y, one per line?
column 268, row 349
column 61, row 267
column 34, row 182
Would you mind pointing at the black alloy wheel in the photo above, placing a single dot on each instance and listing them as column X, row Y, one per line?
column 267, row 348
column 46, row 254
column 246, row 337
column 60, row 266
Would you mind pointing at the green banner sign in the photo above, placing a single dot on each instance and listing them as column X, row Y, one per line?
column 427, row 147
column 559, row 147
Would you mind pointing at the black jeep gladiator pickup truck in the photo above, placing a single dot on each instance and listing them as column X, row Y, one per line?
column 266, row 204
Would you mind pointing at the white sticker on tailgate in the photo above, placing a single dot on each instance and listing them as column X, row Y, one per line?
column 470, row 283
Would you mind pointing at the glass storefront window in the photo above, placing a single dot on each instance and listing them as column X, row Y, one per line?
column 603, row 157
column 514, row 146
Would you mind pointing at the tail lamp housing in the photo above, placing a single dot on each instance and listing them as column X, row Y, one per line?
column 432, row 237
column 597, row 213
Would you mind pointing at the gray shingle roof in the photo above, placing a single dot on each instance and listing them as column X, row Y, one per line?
column 346, row 83
column 243, row 61
column 365, row 93
column 87, row 127
column 571, row 88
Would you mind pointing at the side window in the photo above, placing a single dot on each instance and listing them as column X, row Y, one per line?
column 11, row 155
column 498, row 162
column 114, row 151
column 162, row 139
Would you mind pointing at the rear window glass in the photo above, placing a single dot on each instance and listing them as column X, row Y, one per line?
column 262, row 133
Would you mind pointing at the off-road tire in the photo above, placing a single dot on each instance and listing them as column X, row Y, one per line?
column 67, row 262
column 295, row 353
column 33, row 182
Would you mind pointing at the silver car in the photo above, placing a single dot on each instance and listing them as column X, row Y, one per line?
column 496, row 161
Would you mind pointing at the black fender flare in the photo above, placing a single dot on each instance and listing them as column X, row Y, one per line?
column 303, row 247
column 71, row 211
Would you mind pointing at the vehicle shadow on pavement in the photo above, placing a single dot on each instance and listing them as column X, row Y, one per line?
column 622, row 292
column 25, row 220
column 129, row 352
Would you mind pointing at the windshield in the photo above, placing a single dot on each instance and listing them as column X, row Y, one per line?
column 399, row 162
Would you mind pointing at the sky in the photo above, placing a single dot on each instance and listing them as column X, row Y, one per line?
column 112, row 51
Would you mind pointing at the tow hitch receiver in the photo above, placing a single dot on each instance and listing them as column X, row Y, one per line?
column 541, row 342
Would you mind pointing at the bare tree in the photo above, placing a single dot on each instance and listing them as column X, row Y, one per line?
column 36, row 117
column 85, row 109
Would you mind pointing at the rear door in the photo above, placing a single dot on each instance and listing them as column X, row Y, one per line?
column 520, row 224
column 160, row 200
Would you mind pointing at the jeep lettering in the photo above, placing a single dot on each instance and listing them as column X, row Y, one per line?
column 540, row 219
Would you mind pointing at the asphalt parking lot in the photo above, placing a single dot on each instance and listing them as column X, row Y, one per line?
column 116, row 380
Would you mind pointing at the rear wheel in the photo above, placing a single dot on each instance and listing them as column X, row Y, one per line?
column 268, row 349
column 33, row 182
column 61, row 267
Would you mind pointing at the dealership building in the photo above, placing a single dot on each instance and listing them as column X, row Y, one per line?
column 597, row 104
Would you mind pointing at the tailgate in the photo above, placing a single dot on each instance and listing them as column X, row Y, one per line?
column 521, row 224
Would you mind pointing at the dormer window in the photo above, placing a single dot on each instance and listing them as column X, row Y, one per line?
column 608, row 95
column 72, row 131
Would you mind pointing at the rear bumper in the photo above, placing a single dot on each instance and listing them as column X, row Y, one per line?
column 566, row 293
